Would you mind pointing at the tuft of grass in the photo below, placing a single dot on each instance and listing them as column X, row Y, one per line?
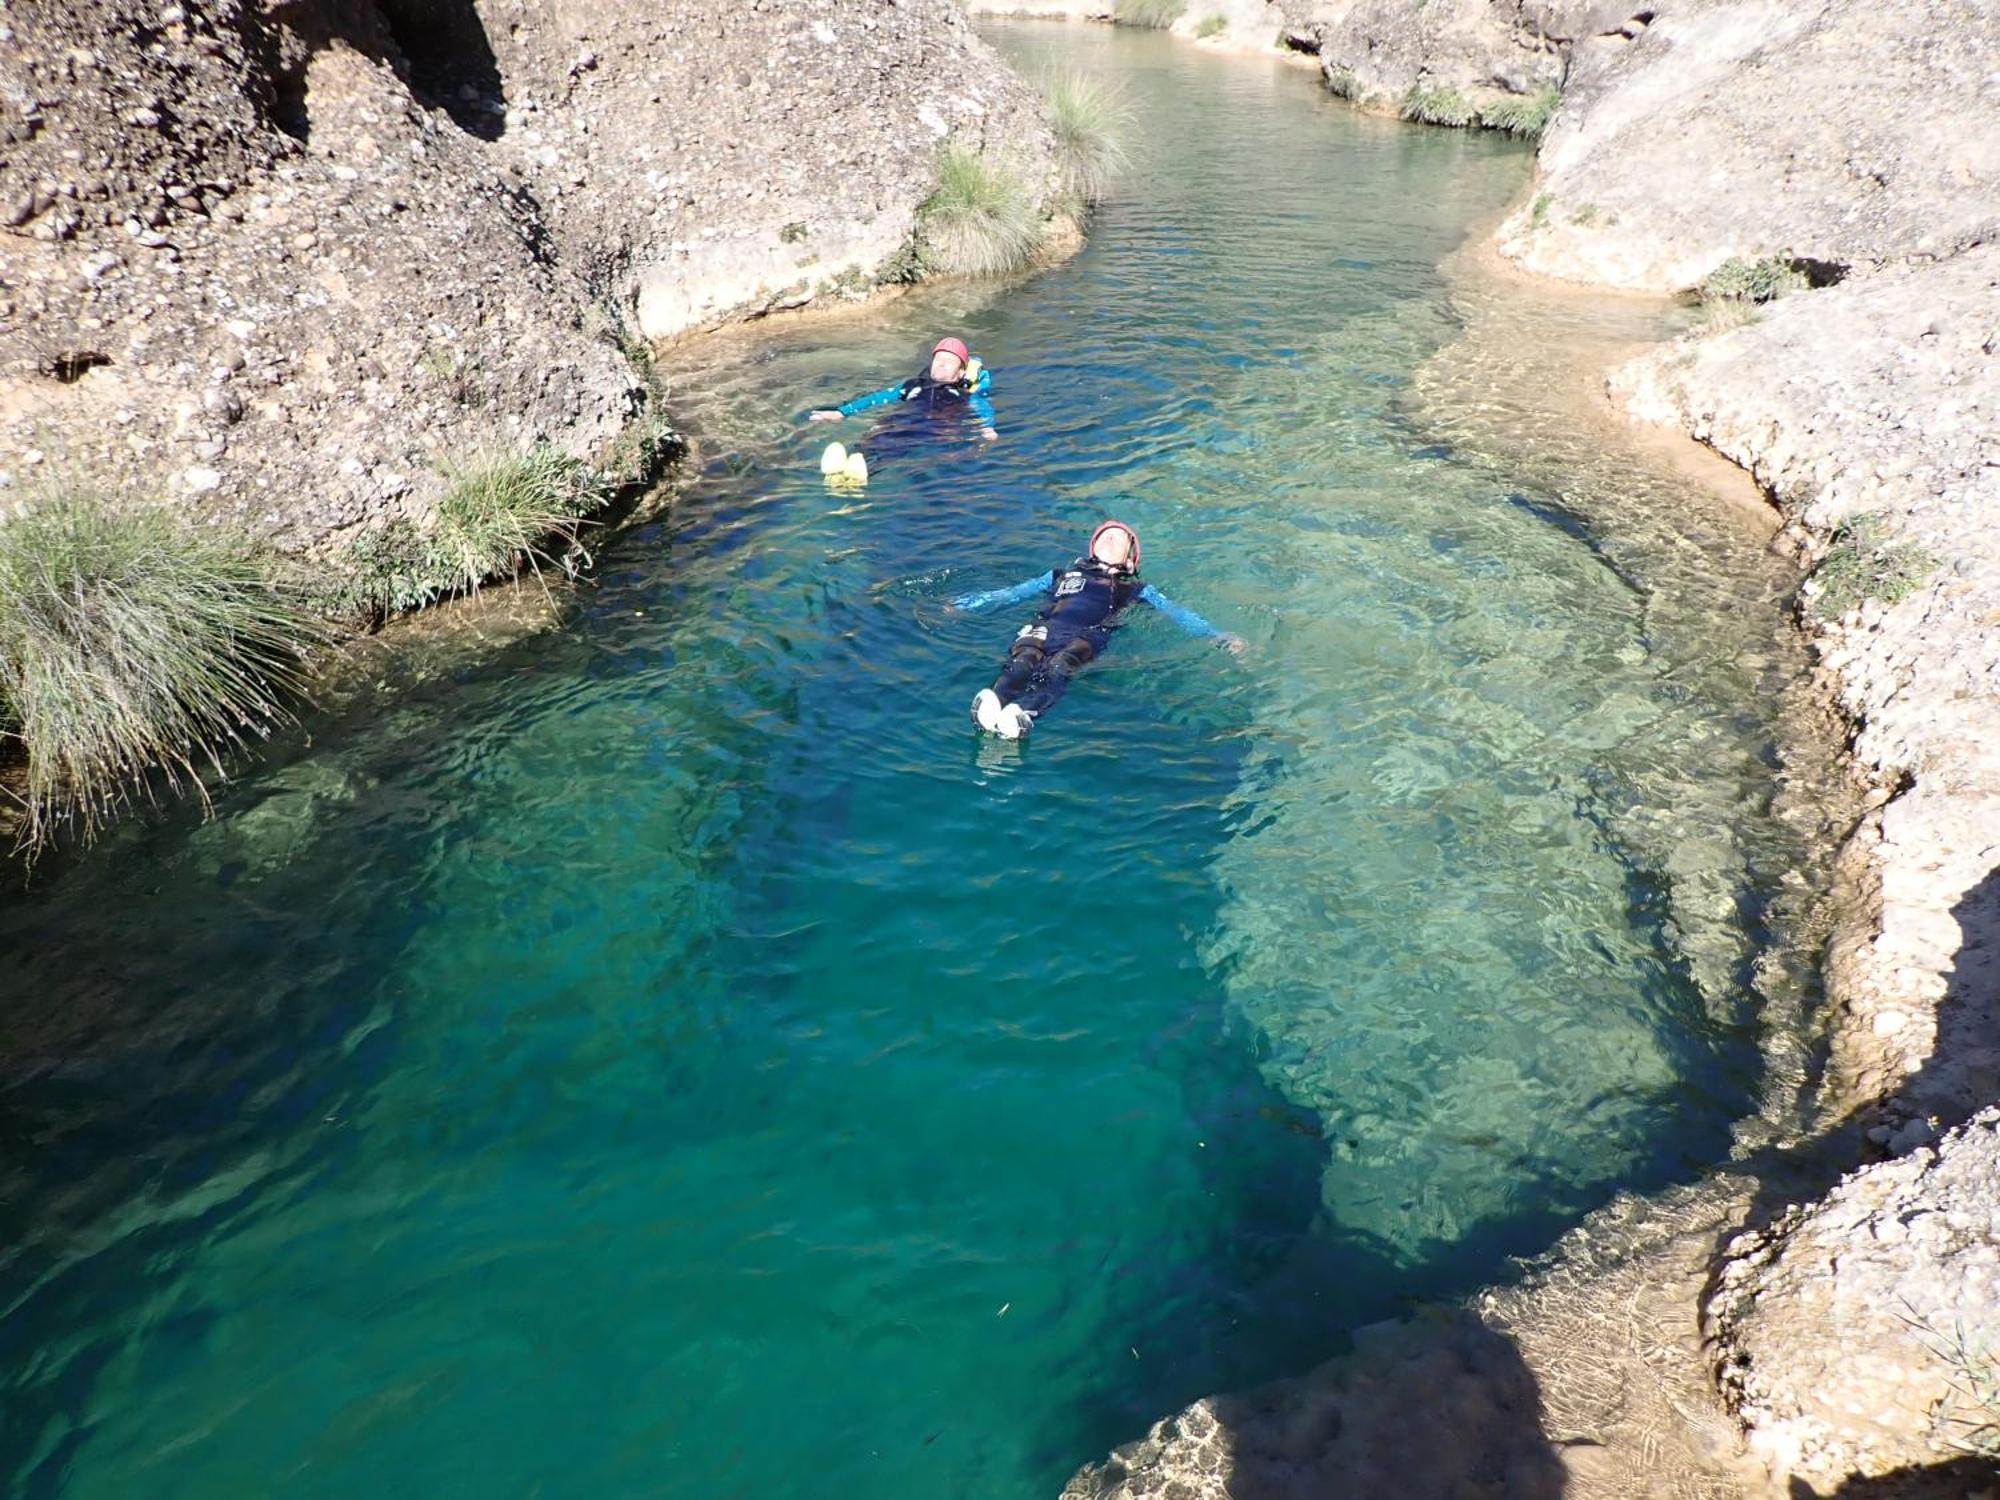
column 134, row 648
column 1525, row 115
column 1154, row 14
column 1585, row 214
column 1213, row 24
column 1766, row 280
column 455, row 373
column 650, row 441
column 1343, row 84
column 1863, row 563
column 1968, row 1418
column 979, row 220
column 498, row 516
column 1091, row 115
column 1443, row 105
column 1539, row 214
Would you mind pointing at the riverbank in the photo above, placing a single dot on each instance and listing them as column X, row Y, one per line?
column 1767, row 1331
column 370, row 297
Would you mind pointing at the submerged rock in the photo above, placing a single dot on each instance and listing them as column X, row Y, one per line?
column 1869, row 410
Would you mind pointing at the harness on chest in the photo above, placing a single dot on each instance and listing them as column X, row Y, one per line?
column 935, row 392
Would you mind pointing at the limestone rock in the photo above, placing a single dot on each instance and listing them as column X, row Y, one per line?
column 1375, row 50
column 1878, row 399
column 1903, row 1260
column 735, row 157
column 1844, row 132
column 379, row 237
column 1439, row 1406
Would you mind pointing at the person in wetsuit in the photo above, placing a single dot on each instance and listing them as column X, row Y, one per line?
column 1084, row 602
column 955, row 384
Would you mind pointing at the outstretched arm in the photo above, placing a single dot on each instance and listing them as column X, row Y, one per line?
column 1027, row 588
column 1187, row 619
column 882, row 397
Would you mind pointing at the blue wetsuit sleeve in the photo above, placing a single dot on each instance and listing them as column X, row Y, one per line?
column 980, row 402
column 1027, row 588
column 1180, row 614
column 882, row 397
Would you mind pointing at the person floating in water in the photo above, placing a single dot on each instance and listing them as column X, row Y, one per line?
column 1084, row 603
column 956, row 383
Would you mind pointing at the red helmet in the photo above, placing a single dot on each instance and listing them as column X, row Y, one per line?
column 954, row 346
column 1132, row 561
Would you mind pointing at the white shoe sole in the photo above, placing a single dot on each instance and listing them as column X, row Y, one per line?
column 1013, row 726
column 834, row 460
column 986, row 710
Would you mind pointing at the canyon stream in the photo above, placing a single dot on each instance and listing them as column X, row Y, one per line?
column 673, row 1053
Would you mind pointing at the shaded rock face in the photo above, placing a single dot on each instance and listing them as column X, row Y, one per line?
column 1903, row 1259
column 1876, row 401
column 286, row 264
column 1440, row 1407
column 1843, row 132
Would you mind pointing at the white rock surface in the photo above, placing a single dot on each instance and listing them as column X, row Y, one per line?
column 1881, row 398
column 1844, row 131
column 1901, row 1263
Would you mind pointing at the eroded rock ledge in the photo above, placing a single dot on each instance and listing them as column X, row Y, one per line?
column 281, row 265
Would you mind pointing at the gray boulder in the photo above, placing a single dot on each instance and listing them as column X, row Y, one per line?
column 1843, row 132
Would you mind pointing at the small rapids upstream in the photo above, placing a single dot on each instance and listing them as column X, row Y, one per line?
column 674, row 1056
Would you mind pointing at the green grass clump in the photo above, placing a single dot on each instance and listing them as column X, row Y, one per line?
column 1863, row 563
column 1443, row 105
column 979, row 220
column 1210, row 25
column 1525, row 115
column 650, row 441
column 1343, row 84
column 1763, row 280
column 497, row 517
column 1539, row 214
column 1968, row 1417
column 133, row 644
column 1090, row 116
column 1156, row 14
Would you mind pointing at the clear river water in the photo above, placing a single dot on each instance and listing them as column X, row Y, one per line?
column 671, row 1054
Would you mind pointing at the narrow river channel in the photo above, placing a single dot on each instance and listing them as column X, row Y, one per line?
column 676, row 1056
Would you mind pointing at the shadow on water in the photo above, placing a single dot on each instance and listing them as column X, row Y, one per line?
column 1954, row 1082
column 1953, row 1479
column 1442, row 1403
column 200, row 1013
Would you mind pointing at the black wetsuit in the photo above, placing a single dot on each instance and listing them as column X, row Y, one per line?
column 922, row 393
column 1084, row 602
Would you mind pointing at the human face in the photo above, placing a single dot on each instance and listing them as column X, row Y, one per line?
column 1114, row 547
column 946, row 367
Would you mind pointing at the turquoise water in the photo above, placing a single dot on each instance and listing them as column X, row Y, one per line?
column 672, row 1055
